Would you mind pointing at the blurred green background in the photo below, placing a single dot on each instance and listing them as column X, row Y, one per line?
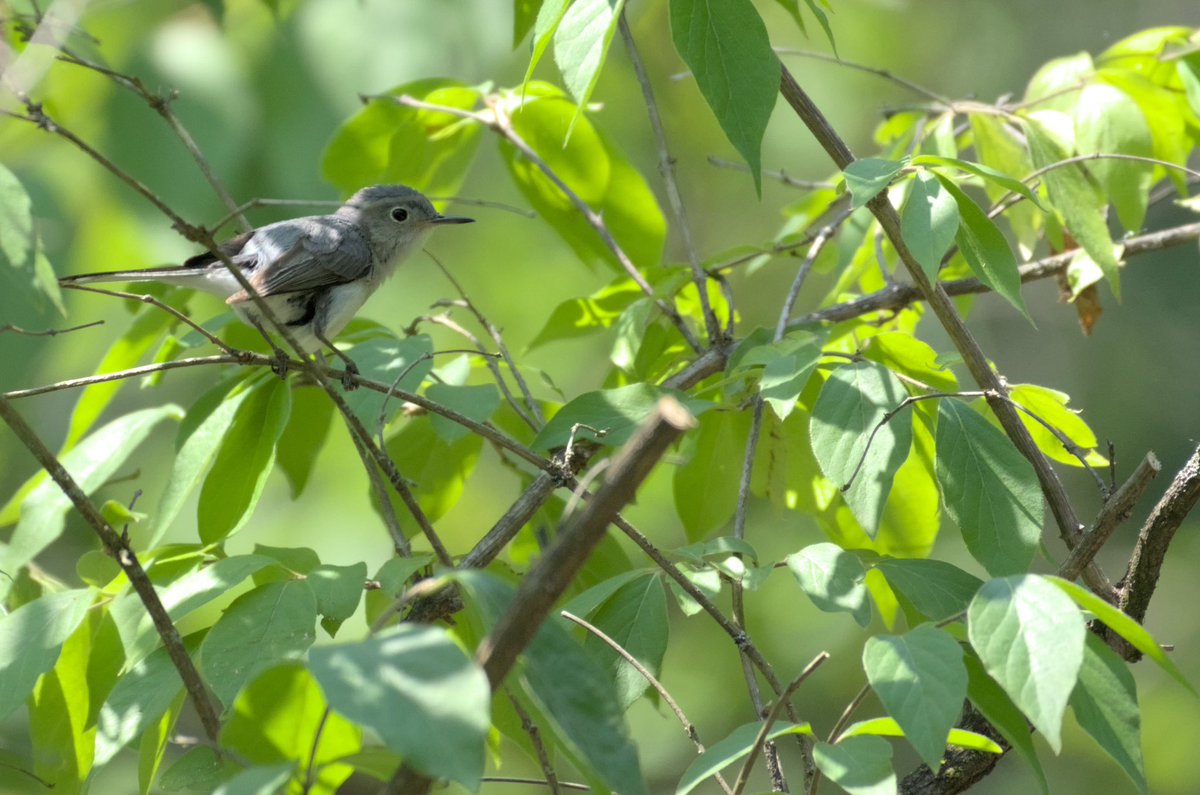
column 262, row 91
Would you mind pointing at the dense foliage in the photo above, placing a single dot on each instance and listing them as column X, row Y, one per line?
column 846, row 413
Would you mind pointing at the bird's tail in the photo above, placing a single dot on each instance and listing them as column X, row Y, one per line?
column 170, row 274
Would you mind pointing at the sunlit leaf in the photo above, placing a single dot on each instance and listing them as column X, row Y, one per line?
column 31, row 638
column 706, row 487
column 855, row 440
column 859, row 765
column 725, row 44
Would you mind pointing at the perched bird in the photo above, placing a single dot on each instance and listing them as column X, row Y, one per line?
column 314, row 273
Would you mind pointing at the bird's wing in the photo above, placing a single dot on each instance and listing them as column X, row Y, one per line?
column 303, row 254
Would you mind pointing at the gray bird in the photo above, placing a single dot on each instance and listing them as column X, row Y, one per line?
column 315, row 272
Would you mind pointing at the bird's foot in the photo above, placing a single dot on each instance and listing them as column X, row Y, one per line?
column 280, row 363
column 349, row 374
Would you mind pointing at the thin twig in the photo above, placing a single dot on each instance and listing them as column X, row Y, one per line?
column 897, row 297
column 9, row 327
column 531, row 403
column 884, row 73
column 162, row 106
column 146, row 298
column 688, row 727
column 1115, row 511
column 535, row 739
column 772, row 717
column 666, row 168
column 779, row 176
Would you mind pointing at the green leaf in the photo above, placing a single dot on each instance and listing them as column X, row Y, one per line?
column 734, row 746
column 888, row 727
column 245, row 458
column 848, row 416
column 307, row 429
column 1107, row 120
column 859, row 765
column 338, row 589
column 385, row 359
column 1051, row 406
column 282, row 715
column 1001, row 147
column 58, row 717
column 199, row 438
column 524, row 15
column 1133, row 632
column 1105, row 704
column 31, row 638
column 987, row 173
column 393, row 580
column 549, row 16
column 1188, row 70
column 985, row 249
column 27, row 281
column 1051, row 86
column 989, row 490
column 635, row 616
column 1030, row 637
column 920, row 678
column 477, row 402
column 581, row 44
column 936, row 589
column 577, row 317
column 787, row 366
column 618, row 412
column 153, row 745
column 198, row 769
column 571, row 690
column 706, row 487
column 929, row 222
column 262, row 627
column 833, row 579
column 140, row 698
column 126, row 352
column 438, row 469
column 725, row 44
column 263, row 780
column 1074, row 197
column 597, row 172
column 91, row 463
column 180, row 598
column 995, row 705
column 389, row 143
column 867, row 177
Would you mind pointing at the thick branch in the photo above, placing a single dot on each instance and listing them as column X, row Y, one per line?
column 551, row 575
column 1141, row 578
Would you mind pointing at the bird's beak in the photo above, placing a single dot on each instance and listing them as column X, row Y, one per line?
column 451, row 219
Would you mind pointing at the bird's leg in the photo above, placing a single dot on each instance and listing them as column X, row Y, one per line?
column 351, row 369
column 279, row 357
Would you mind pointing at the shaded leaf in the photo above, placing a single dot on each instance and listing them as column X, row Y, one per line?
column 1030, row 637
column 848, row 428
column 31, row 638
column 920, row 678
column 989, row 489
column 929, row 222
column 867, row 177
column 859, row 765
column 734, row 746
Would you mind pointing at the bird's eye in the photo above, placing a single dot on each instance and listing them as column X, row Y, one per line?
column 399, row 214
